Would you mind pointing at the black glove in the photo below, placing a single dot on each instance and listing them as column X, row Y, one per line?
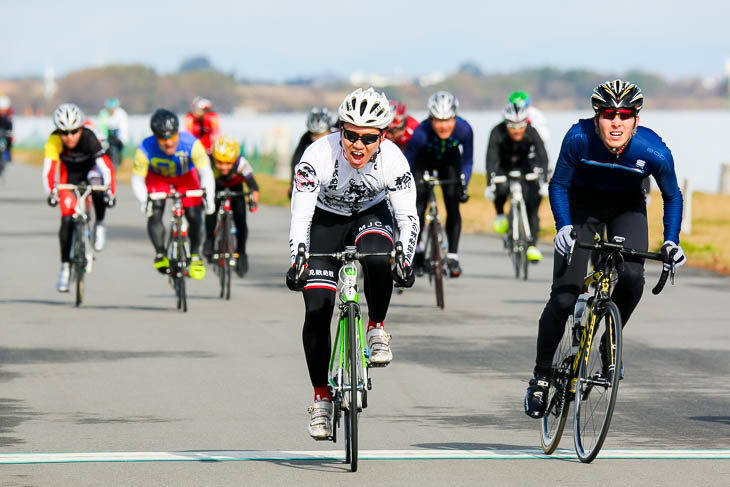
column 110, row 199
column 52, row 200
column 409, row 277
column 463, row 195
column 294, row 282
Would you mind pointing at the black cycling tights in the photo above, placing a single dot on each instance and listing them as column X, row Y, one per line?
column 625, row 216
column 66, row 231
column 330, row 233
column 451, row 202
column 238, row 206
column 156, row 229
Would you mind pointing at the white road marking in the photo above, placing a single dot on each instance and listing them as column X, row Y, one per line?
column 255, row 455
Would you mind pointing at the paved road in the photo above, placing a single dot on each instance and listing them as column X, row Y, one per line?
column 128, row 373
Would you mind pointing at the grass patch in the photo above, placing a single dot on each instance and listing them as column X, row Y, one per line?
column 708, row 246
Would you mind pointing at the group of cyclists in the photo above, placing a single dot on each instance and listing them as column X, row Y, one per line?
column 77, row 151
column 357, row 180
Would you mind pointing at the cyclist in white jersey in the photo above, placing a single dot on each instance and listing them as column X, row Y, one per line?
column 339, row 198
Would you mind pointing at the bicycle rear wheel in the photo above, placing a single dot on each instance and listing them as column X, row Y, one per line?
column 355, row 363
column 597, row 385
column 558, row 404
column 437, row 261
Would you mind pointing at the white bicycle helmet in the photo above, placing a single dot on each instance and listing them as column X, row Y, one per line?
column 515, row 113
column 4, row 102
column 68, row 117
column 442, row 105
column 366, row 109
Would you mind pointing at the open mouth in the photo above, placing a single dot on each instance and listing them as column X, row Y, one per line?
column 616, row 135
column 357, row 156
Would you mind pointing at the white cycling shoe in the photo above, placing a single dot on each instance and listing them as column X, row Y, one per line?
column 99, row 236
column 320, row 426
column 379, row 344
column 64, row 276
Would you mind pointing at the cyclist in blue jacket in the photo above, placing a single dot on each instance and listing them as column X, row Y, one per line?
column 445, row 142
column 597, row 184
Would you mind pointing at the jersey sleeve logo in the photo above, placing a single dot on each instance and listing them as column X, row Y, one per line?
column 306, row 179
column 403, row 182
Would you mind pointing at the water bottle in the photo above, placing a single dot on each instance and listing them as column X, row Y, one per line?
column 578, row 319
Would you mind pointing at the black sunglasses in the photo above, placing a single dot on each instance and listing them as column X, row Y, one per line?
column 353, row 137
column 69, row 132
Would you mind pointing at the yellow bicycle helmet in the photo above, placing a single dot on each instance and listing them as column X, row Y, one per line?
column 226, row 149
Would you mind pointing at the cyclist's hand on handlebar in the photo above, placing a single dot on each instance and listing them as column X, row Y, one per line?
column 564, row 240
column 209, row 205
column 489, row 192
column 673, row 253
column 463, row 195
column 409, row 277
column 544, row 189
column 253, row 203
column 110, row 199
column 296, row 281
column 52, row 200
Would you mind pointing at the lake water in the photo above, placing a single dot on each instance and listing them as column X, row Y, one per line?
column 693, row 136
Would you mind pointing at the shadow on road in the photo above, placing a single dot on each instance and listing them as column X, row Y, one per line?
column 80, row 355
column 12, row 414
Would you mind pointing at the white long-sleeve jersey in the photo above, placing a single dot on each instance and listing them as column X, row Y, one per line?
column 325, row 179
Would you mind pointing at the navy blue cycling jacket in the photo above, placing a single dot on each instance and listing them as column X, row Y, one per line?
column 585, row 163
column 427, row 151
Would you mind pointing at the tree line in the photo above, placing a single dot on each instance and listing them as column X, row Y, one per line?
column 141, row 89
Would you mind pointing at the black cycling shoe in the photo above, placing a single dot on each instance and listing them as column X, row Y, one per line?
column 536, row 396
column 454, row 267
column 418, row 261
column 208, row 250
column 242, row 265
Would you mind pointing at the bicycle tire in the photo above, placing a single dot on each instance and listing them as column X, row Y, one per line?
column 437, row 262
column 553, row 422
column 79, row 262
column 355, row 362
column 230, row 253
column 220, row 251
column 182, row 263
column 524, row 263
column 513, row 248
column 597, row 386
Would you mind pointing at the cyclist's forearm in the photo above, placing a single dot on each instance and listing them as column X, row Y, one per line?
column 49, row 175
column 139, row 188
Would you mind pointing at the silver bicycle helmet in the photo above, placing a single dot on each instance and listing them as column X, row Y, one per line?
column 442, row 105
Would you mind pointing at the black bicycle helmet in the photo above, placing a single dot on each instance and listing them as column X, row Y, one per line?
column 164, row 123
column 617, row 94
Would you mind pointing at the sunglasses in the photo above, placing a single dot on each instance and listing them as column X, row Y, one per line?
column 353, row 137
column 70, row 132
column 623, row 113
column 517, row 125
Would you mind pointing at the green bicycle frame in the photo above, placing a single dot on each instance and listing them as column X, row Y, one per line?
column 340, row 351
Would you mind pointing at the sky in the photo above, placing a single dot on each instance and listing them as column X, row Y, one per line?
column 278, row 40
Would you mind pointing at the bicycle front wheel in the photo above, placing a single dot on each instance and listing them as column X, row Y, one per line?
column 598, row 379
column 182, row 262
column 437, row 261
column 355, row 362
column 79, row 261
column 524, row 263
column 559, row 396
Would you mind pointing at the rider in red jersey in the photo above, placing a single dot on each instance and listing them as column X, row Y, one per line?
column 203, row 122
column 402, row 126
